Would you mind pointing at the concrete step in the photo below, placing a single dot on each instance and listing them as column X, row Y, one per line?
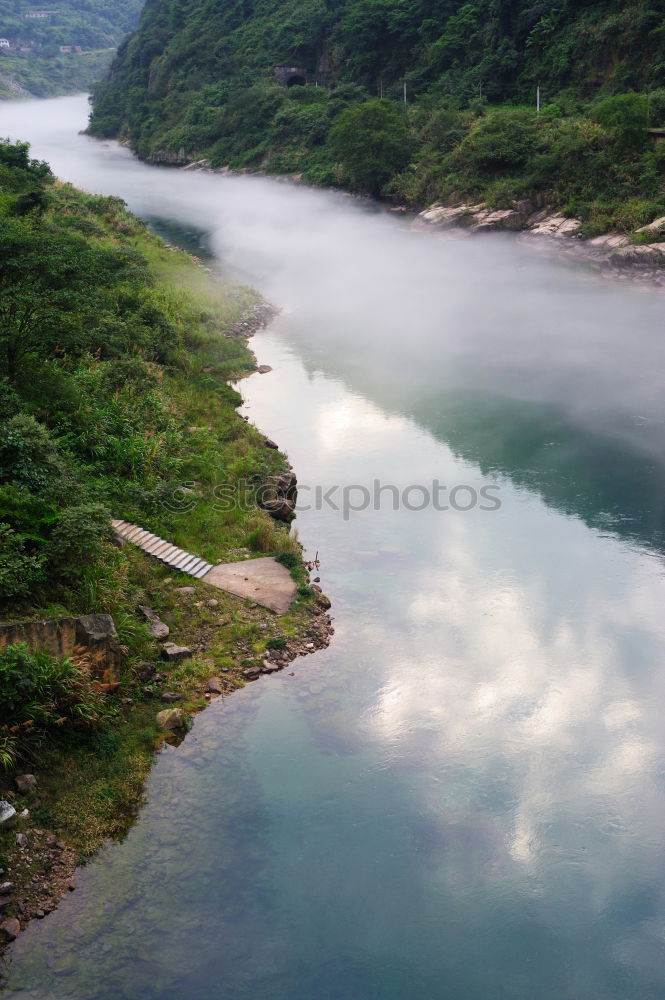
column 155, row 546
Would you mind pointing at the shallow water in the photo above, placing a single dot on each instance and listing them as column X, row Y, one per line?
column 464, row 795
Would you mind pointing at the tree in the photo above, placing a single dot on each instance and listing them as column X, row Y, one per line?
column 53, row 289
column 372, row 142
column 625, row 117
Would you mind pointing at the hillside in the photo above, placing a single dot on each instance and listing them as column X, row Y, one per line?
column 62, row 48
column 198, row 80
column 116, row 352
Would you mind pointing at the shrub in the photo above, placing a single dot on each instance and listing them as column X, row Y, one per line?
column 78, row 537
column 372, row 142
column 500, row 141
column 279, row 642
column 43, row 698
column 625, row 117
column 288, row 559
column 28, row 455
column 19, row 571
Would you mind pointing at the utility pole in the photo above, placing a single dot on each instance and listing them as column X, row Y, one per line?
column 537, row 100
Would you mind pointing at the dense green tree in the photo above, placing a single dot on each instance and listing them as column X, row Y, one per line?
column 372, row 142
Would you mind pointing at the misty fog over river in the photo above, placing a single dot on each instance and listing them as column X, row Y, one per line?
column 464, row 796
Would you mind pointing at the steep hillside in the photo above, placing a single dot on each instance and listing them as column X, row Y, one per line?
column 199, row 79
column 60, row 48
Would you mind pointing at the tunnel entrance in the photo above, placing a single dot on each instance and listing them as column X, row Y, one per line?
column 291, row 76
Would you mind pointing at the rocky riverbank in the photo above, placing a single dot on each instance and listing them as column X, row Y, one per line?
column 203, row 644
column 640, row 257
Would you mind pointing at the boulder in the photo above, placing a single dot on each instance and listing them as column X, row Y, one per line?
column 215, row 686
column 173, row 653
column 171, row 696
column 649, row 255
column 95, row 628
column 280, row 509
column 439, row 216
column 6, row 887
column 10, row 928
column 264, row 369
column 171, row 718
column 251, row 673
column 7, row 815
column 609, row 241
column 185, row 591
column 548, row 223
column 270, row 667
column 25, row 783
column 657, row 226
column 506, row 220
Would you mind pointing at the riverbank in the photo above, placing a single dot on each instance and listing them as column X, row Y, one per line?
column 88, row 784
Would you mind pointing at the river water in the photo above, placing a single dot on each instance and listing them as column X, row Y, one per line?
column 464, row 796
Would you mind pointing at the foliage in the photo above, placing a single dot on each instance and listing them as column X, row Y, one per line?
column 372, row 142
column 201, row 83
column 625, row 117
column 43, row 698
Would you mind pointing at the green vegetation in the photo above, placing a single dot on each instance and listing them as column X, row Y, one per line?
column 116, row 354
column 199, row 82
column 35, row 61
column 41, row 700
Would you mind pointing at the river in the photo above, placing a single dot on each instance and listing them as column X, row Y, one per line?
column 464, row 796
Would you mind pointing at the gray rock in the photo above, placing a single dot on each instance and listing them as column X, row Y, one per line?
column 7, row 815
column 270, row 444
column 269, row 667
column 185, row 591
column 25, row 783
column 657, row 226
column 171, row 718
column 171, row 696
column 506, row 220
column 6, row 887
column 10, row 928
column 21, row 840
column 215, row 686
column 251, row 673
column 159, row 630
column 173, row 653
column 96, row 628
column 213, row 603
column 649, row 255
column 264, row 369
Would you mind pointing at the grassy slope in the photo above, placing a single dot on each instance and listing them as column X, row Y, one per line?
column 91, row 782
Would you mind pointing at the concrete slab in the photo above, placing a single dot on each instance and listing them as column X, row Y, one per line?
column 262, row 580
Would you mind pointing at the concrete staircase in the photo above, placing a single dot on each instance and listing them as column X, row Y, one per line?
column 164, row 551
